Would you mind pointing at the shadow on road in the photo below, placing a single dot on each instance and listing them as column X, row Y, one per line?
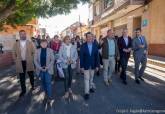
column 108, row 100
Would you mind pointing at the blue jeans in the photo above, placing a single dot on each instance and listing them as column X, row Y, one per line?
column 46, row 83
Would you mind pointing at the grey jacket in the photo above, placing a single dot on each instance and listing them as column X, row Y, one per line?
column 49, row 61
column 137, row 51
column 63, row 56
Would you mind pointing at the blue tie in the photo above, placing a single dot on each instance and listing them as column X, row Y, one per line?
column 141, row 40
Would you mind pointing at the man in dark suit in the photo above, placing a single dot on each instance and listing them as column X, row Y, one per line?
column 89, row 62
column 124, row 44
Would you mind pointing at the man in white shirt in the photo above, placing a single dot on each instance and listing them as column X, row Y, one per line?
column 23, row 55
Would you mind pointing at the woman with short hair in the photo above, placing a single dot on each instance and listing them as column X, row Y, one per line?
column 44, row 60
column 68, row 56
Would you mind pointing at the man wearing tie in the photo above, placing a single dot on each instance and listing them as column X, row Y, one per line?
column 89, row 62
column 139, row 46
column 124, row 44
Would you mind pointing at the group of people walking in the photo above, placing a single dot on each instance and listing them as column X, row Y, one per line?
column 44, row 58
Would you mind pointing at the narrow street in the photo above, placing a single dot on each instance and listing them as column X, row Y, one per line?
column 55, row 37
column 116, row 99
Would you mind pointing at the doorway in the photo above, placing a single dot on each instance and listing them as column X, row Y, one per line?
column 137, row 22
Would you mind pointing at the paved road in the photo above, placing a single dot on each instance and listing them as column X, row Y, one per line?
column 116, row 99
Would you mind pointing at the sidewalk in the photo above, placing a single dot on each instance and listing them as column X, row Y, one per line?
column 6, row 59
column 154, row 62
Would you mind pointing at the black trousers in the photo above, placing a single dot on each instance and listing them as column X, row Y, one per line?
column 124, row 64
column 23, row 78
column 101, row 59
column 68, row 78
column 117, row 66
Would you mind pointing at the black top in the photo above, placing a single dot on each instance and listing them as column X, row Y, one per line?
column 43, row 57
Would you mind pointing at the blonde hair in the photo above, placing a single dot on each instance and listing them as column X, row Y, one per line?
column 67, row 36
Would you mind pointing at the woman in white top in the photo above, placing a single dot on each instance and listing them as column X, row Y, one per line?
column 68, row 55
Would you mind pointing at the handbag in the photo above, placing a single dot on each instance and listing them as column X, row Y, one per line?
column 60, row 69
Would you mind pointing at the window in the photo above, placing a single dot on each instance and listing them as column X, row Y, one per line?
column 108, row 3
column 90, row 13
column 97, row 9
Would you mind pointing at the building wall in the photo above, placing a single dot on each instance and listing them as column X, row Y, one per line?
column 157, row 14
column 6, row 59
column 151, row 18
column 157, row 27
column 81, row 32
column 10, row 34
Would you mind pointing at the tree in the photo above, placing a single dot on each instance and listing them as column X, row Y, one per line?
column 15, row 12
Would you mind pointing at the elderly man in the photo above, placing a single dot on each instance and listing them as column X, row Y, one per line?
column 124, row 43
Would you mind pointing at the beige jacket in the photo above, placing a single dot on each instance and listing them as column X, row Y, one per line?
column 49, row 61
column 30, row 50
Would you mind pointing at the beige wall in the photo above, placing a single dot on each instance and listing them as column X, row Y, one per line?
column 10, row 34
column 97, row 31
column 154, row 13
column 157, row 22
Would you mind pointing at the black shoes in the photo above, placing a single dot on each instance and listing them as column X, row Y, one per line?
column 98, row 73
column 92, row 90
column 32, row 89
column 137, row 81
column 86, row 96
column 124, row 82
column 141, row 79
column 22, row 94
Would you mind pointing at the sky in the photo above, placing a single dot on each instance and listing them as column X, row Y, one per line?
column 58, row 23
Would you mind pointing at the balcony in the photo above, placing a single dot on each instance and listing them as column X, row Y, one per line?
column 120, row 4
column 119, row 9
column 97, row 18
column 137, row 2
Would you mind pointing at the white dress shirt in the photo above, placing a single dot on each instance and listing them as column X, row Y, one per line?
column 68, row 48
column 23, row 49
column 126, row 40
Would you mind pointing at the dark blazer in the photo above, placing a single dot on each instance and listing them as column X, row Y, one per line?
column 122, row 45
column 105, row 48
column 87, row 60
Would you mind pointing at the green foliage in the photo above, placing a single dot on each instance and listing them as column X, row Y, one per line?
column 16, row 12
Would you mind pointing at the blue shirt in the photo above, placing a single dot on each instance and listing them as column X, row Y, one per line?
column 111, row 44
column 90, row 48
